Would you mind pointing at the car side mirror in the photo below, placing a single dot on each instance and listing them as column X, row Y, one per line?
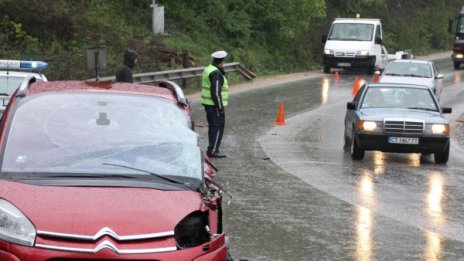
column 439, row 76
column 351, row 105
column 450, row 25
column 324, row 39
column 378, row 40
column 446, row 110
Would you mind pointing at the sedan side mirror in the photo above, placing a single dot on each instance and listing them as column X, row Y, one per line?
column 351, row 105
column 439, row 76
column 446, row 110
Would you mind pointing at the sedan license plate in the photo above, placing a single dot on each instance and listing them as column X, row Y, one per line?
column 403, row 140
column 344, row 64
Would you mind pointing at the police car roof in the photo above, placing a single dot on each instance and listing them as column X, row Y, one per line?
column 21, row 74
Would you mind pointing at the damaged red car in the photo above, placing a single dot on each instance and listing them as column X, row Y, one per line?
column 105, row 171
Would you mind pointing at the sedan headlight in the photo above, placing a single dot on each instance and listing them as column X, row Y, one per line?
column 369, row 125
column 362, row 53
column 15, row 227
column 440, row 128
column 193, row 230
column 328, row 51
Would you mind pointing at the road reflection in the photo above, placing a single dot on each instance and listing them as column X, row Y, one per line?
column 364, row 217
column 325, row 91
column 434, row 209
column 414, row 159
column 457, row 77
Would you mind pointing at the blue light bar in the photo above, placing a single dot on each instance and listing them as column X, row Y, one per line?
column 23, row 65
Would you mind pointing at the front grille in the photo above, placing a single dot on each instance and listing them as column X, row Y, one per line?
column 404, row 127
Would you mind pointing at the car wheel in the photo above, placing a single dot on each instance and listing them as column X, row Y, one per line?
column 371, row 68
column 442, row 157
column 457, row 65
column 326, row 69
column 356, row 152
column 347, row 143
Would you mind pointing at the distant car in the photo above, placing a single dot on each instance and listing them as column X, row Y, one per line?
column 105, row 171
column 412, row 72
column 396, row 118
column 14, row 72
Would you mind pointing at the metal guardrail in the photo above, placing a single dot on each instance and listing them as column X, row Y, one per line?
column 177, row 74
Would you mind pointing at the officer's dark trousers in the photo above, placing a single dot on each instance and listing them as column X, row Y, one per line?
column 216, row 123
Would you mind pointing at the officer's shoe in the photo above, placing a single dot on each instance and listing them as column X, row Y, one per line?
column 215, row 154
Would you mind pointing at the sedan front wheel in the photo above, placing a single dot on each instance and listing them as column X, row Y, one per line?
column 442, row 157
column 356, row 152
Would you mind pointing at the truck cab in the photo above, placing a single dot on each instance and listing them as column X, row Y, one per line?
column 354, row 43
column 458, row 47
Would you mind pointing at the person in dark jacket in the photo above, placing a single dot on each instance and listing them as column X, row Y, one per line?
column 124, row 72
column 214, row 97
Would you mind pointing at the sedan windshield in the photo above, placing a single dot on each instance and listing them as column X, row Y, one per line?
column 397, row 97
column 93, row 133
column 420, row 70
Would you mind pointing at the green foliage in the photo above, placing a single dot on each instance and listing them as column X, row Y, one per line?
column 267, row 36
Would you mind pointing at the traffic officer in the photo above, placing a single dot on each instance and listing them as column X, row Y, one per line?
column 214, row 95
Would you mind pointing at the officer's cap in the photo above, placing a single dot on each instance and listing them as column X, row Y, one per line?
column 219, row 54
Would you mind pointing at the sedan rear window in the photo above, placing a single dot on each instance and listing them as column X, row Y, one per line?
column 95, row 132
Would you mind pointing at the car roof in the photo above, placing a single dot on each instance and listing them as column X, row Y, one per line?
column 106, row 87
column 22, row 74
column 396, row 85
column 411, row 61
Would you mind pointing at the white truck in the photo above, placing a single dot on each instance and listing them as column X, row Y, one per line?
column 355, row 43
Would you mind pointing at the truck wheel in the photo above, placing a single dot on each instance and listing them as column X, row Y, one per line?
column 457, row 65
column 356, row 152
column 442, row 157
column 326, row 69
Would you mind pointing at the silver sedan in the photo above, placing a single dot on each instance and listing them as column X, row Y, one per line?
column 396, row 118
column 412, row 72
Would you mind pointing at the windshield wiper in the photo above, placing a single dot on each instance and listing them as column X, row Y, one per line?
column 393, row 74
column 170, row 180
column 83, row 176
column 421, row 108
column 415, row 75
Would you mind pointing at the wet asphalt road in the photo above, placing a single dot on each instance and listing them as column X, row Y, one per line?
column 298, row 196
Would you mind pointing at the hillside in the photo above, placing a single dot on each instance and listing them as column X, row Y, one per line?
column 268, row 36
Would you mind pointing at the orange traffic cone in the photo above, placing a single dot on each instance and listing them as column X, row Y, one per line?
column 280, row 119
column 376, row 76
column 336, row 77
column 355, row 86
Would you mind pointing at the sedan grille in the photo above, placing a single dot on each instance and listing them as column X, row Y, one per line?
column 404, row 127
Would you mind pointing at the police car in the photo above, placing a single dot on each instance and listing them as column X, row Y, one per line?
column 13, row 73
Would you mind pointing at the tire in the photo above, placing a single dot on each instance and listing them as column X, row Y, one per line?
column 457, row 65
column 442, row 157
column 356, row 152
column 326, row 69
column 347, row 143
column 371, row 68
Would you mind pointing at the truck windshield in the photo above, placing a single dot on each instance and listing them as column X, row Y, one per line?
column 351, row 32
column 460, row 25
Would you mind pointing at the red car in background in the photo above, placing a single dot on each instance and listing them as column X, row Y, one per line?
column 105, row 171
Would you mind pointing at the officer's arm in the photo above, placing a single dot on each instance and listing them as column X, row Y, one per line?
column 217, row 81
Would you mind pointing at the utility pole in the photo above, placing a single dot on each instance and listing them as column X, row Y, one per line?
column 158, row 18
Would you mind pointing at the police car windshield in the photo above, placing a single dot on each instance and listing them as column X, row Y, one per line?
column 351, row 32
column 8, row 84
column 94, row 132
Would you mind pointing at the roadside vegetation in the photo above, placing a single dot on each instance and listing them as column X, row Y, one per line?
column 267, row 36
